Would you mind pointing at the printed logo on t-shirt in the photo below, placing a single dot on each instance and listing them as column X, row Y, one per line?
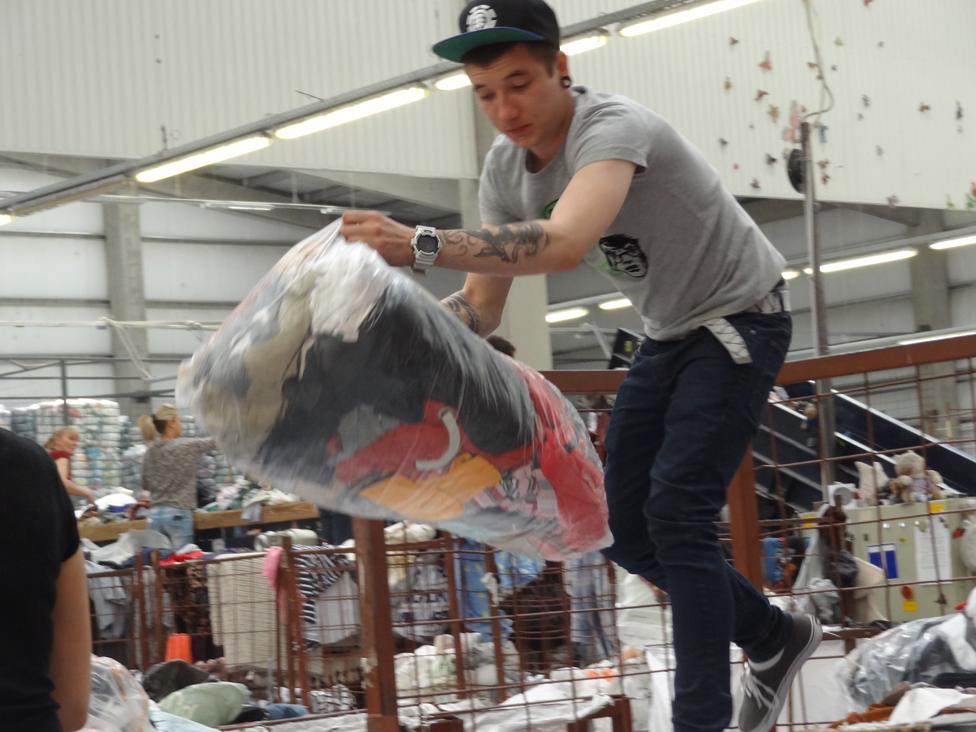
column 624, row 255
column 481, row 17
column 546, row 213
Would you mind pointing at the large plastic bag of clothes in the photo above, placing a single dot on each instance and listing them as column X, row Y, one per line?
column 341, row 379
column 916, row 651
column 117, row 702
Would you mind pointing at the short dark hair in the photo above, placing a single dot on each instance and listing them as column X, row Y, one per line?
column 484, row 55
column 500, row 344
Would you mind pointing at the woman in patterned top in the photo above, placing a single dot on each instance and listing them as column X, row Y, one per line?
column 169, row 473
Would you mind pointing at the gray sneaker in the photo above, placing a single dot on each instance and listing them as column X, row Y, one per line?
column 765, row 685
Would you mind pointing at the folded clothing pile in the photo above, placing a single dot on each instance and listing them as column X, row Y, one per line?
column 23, row 421
column 214, row 472
column 341, row 379
column 131, row 468
column 129, row 434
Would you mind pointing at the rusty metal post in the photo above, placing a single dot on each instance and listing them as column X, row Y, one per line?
column 453, row 607
column 158, row 590
column 744, row 522
column 491, row 567
column 139, row 611
column 378, row 668
column 294, row 637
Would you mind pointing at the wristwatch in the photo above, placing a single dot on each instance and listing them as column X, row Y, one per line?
column 426, row 246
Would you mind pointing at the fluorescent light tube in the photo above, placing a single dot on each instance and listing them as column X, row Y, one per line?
column 941, row 337
column 352, row 112
column 5, row 219
column 789, row 274
column 452, row 82
column 245, row 207
column 618, row 304
column 678, row 17
column 576, row 46
column 962, row 241
column 560, row 316
column 203, row 158
column 868, row 260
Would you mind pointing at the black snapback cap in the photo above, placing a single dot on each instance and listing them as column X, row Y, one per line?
column 484, row 22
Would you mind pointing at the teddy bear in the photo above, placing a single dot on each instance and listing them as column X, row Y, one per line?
column 912, row 482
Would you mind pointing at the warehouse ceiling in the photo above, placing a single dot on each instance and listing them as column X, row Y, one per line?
column 313, row 198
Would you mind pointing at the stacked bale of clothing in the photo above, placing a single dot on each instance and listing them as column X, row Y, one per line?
column 131, row 468
column 23, row 421
column 214, row 472
column 5, row 417
column 129, row 434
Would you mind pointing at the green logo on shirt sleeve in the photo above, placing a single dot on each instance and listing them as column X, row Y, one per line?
column 546, row 213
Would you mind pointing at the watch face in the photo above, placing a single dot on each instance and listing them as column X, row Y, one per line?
column 427, row 243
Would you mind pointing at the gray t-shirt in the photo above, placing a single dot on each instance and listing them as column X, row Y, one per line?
column 681, row 249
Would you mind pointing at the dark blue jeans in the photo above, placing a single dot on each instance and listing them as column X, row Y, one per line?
column 684, row 417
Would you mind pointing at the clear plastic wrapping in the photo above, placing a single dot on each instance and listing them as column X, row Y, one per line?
column 342, row 380
column 117, row 702
column 916, row 651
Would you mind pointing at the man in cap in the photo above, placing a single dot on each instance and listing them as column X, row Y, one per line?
column 577, row 175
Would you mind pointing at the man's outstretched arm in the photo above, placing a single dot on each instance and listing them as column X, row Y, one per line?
column 586, row 209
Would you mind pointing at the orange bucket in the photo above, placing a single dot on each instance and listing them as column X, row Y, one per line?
column 178, row 647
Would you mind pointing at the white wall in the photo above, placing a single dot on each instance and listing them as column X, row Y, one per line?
column 113, row 72
column 53, row 269
column 205, row 273
column 85, row 380
column 37, row 340
column 680, row 72
column 54, row 266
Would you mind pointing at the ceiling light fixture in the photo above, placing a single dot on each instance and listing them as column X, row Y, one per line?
column 561, row 316
column 246, row 207
column 582, row 44
column 789, row 274
column 962, row 241
column 352, row 112
column 868, row 261
column 940, row 337
column 5, row 219
column 452, row 82
column 669, row 20
column 618, row 304
column 854, row 262
column 203, row 158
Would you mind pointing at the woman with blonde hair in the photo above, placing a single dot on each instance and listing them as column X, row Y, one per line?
column 169, row 473
column 60, row 447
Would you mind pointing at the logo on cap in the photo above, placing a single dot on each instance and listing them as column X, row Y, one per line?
column 481, row 17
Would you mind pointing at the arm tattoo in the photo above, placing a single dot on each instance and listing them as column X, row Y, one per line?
column 459, row 305
column 507, row 242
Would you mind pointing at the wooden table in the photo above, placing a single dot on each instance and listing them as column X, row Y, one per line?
column 206, row 520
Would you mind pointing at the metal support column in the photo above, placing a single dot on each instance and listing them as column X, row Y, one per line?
column 826, row 420
column 127, row 299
